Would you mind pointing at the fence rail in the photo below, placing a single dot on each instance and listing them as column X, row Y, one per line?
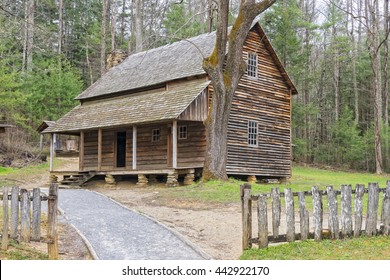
column 348, row 223
column 22, row 216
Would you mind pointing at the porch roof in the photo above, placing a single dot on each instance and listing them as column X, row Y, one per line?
column 135, row 109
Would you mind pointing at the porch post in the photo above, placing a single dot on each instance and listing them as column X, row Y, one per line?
column 51, row 166
column 81, row 151
column 134, row 147
column 100, row 149
column 174, row 144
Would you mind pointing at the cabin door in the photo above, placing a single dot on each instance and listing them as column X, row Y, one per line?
column 169, row 147
column 121, row 149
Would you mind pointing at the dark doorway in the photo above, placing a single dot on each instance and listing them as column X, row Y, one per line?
column 121, row 149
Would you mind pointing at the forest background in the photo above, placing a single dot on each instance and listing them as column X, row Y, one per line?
column 335, row 51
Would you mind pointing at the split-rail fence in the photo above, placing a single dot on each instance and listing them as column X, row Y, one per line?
column 22, row 217
column 347, row 224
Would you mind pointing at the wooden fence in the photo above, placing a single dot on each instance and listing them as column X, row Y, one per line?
column 348, row 224
column 23, row 223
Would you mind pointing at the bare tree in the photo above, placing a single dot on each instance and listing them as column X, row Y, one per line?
column 60, row 25
column 28, row 35
column 225, row 71
column 138, row 25
column 103, row 37
column 114, row 16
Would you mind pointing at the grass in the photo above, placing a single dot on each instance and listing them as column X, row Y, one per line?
column 303, row 179
column 21, row 252
column 363, row 248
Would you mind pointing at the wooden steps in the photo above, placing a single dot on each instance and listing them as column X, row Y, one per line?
column 77, row 179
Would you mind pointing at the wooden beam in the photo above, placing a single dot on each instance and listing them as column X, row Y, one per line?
column 81, row 151
column 100, row 136
column 174, row 144
column 134, row 147
column 52, row 137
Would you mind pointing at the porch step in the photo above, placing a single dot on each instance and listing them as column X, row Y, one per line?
column 77, row 179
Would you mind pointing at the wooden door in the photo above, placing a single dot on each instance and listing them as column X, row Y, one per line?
column 121, row 149
column 169, row 147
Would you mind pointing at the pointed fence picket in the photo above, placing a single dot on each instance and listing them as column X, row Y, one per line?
column 23, row 209
column 342, row 223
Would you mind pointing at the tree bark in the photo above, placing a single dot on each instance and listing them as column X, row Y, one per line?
column 225, row 79
column 386, row 22
column 114, row 16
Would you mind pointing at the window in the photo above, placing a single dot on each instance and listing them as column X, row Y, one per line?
column 156, row 135
column 252, row 65
column 183, row 132
column 252, row 133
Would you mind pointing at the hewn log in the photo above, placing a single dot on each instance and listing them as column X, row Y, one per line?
column 333, row 209
column 290, row 217
column 372, row 210
column 358, row 210
column 276, row 210
column 386, row 210
column 4, row 239
column 36, row 217
column 52, row 205
column 14, row 212
column 25, row 209
column 246, row 206
column 262, row 221
column 304, row 216
column 346, row 210
column 317, row 213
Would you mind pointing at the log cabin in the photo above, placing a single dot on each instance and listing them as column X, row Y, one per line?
column 145, row 116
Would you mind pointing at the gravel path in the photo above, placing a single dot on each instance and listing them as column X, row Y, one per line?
column 117, row 233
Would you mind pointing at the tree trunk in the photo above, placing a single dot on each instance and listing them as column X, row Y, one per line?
column 60, row 25
column 114, row 16
column 28, row 35
column 224, row 79
column 103, row 38
column 373, row 45
column 138, row 25
column 386, row 22
column 353, row 57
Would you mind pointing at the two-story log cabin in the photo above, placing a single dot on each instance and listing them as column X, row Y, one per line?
column 145, row 116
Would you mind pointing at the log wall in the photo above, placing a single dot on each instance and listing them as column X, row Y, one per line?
column 191, row 151
column 266, row 100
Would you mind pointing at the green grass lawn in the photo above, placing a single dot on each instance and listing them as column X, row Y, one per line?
column 364, row 248
column 303, row 179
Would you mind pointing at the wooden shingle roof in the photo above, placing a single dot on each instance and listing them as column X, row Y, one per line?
column 148, row 107
column 170, row 62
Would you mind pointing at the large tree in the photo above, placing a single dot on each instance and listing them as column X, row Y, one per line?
column 225, row 67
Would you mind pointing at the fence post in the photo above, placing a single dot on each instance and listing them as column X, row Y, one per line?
column 262, row 221
column 52, row 204
column 358, row 210
column 276, row 210
column 304, row 216
column 346, row 210
column 290, row 217
column 36, row 217
column 246, row 205
column 25, row 210
column 14, row 212
column 372, row 211
column 333, row 218
column 386, row 210
column 317, row 213
column 4, row 240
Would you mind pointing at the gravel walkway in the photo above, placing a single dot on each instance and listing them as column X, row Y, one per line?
column 117, row 233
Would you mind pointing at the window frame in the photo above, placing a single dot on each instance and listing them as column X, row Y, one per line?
column 156, row 135
column 180, row 133
column 253, row 133
column 252, row 68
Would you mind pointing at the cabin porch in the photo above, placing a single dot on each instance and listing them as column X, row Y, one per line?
column 168, row 148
